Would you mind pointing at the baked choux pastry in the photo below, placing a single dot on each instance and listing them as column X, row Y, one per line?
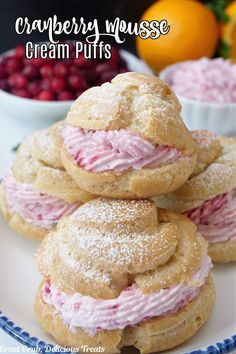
column 126, row 139
column 208, row 198
column 36, row 191
column 123, row 273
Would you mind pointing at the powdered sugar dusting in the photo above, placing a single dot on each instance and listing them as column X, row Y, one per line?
column 105, row 210
column 216, row 174
column 229, row 153
column 116, row 232
column 205, row 138
column 57, row 248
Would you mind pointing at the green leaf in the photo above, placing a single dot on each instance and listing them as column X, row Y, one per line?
column 15, row 148
column 224, row 50
column 218, row 8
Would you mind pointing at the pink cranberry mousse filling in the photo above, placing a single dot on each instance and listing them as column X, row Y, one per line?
column 206, row 80
column 117, row 150
column 130, row 308
column 34, row 207
column 216, row 218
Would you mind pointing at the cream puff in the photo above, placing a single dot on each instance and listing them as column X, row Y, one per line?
column 123, row 273
column 208, row 198
column 36, row 191
column 126, row 139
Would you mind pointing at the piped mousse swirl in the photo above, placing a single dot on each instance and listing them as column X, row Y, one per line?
column 35, row 207
column 116, row 150
column 131, row 307
column 216, row 218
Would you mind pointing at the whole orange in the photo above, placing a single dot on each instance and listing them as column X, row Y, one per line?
column 228, row 33
column 194, row 33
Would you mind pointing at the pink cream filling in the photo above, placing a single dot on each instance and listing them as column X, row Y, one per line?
column 116, row 150
column 216, row 218
column 206, row 80
column 36, row 208
column 130, row 308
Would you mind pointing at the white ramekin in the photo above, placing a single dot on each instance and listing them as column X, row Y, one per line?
column 219, row 118
column 37, row 114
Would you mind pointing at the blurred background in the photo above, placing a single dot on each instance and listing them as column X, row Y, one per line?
column 130, row 10
column 201, row 31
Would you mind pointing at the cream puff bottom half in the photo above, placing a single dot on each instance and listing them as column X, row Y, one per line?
column 153, row 335
column 17, row 223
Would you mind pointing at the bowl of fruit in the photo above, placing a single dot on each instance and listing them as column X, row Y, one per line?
column 41, row 91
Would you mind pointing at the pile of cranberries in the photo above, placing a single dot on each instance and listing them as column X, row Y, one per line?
column 54, row 79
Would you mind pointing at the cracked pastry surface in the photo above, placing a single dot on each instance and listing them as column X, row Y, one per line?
column 208, row 198
column 126, row 139
column 36, row 191
column 111, row 265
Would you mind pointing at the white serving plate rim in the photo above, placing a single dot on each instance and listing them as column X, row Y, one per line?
column 34, row 341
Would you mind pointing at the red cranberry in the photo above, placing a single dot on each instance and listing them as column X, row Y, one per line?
column 107, row 76
column 123, row 70
column 81, row 62
column 77, row 82
column 92, row 76
column 3, row 84
column 45, row 96
column 71, row 47
column 34, row 88
column 115, row 57
column 58, row 84
column 49, row 60
column 2, row 71
column 46, row 84
column 30, row 72
column 21, row 93
column 103, row 68
column 20, row 51
column 65, row 96
column 17, row 81
column 78, row 93
column 13, row 65
column 78, row 71
column 46, row 70
column 37, row 62
column 60, row 69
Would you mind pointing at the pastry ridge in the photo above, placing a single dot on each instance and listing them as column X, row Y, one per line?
column 142, row 104
column 38, row 162
column 218, row 177
column 153, row 335
column 105, row 243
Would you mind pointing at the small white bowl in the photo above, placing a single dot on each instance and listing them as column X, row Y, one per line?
column 219, row 118
column 38, row 114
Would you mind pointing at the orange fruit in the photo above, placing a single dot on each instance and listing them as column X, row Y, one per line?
column 194, row 32
column 228, row 30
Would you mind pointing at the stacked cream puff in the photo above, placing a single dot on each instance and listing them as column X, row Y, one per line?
column 116, row 272
column 123, row 273
column 36, row 191
column 208, row 198
column 126, row 139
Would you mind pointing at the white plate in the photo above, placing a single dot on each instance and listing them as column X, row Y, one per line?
column 19, row 280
